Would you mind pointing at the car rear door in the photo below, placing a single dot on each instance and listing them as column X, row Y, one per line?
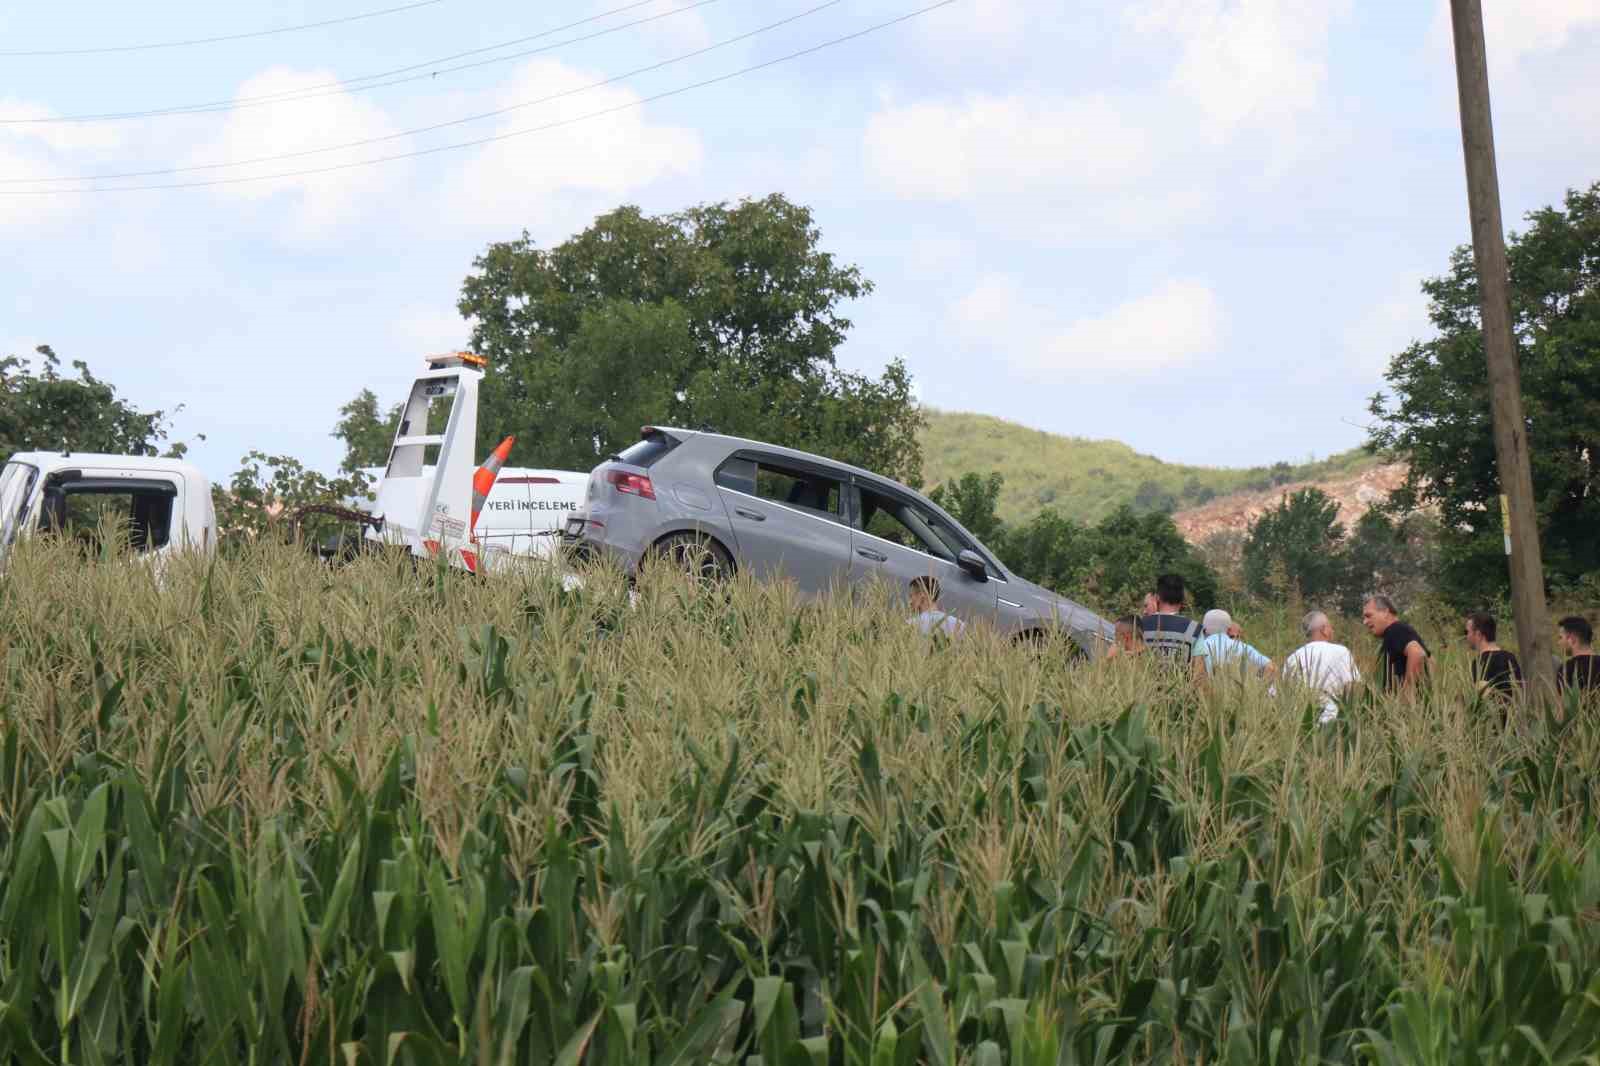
column 896, row 539
column 789, row 519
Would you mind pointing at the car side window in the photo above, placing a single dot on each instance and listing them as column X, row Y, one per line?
column 902, row 522
column 804, row 490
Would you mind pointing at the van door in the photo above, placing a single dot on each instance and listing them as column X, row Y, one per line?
column 789, row 519
column 85, row 505
column 897, row 539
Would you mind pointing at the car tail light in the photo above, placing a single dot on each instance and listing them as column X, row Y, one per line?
column 631, row 484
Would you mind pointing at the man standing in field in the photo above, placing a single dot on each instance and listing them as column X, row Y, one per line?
column 1128, row 642
column 1322, row 666
column 1581, row 671
column 930, row 618
column 1402, row 654
column 1495, row 670
column 1167, row 633
column 1220, row 651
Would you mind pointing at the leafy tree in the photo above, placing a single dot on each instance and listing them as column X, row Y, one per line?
column 972, row 500
column 1131, row 549
column 1053, row 551
column 1438, row 413
column 1150, row 497
column 1302, row 539
column 367, row 433
column 266, row 488
column 721, row 316
column 1383, row 554
column 45, row 410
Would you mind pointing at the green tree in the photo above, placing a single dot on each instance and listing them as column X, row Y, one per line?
column 45, row 410
column 1436, row 412
column 1131, row 549
column 972, row 500
column 367, row 432
column 721, row 316
column 1383, row 554
column 1302, row 540
column 267, row 488
column 1053, row 551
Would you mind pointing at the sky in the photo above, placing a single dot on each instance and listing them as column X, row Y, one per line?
column 1196, row 226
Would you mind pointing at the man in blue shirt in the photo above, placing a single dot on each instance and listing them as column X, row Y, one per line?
column 1218, row 652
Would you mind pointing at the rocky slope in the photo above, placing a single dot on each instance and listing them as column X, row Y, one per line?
column 1355, row 493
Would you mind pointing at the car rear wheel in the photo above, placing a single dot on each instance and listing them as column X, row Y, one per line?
column 694, row 554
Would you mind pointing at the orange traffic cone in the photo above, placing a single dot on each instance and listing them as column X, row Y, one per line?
column 483, row 480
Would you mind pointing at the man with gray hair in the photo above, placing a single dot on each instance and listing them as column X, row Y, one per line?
column 1321, row 666
column 1403, row 655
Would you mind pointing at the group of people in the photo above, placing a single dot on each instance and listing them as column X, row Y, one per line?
column 1214, row 644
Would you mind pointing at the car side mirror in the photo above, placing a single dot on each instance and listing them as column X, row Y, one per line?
column 974, row 566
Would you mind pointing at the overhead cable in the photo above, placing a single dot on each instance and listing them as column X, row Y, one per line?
column 563, row 94
column 509, row 135
column 349, row 85
column 219, row 39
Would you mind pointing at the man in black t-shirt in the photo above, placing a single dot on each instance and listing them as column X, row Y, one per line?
column 1495, row 670
column 1581, row 671
column 1166, row 632
column 1404, row 658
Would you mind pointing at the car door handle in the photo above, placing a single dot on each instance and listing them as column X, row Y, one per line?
column 754, row 516
column 868, row 553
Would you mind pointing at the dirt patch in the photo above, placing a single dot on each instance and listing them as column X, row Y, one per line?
column 1356, row 495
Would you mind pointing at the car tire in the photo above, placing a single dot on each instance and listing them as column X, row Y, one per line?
column 694, row 554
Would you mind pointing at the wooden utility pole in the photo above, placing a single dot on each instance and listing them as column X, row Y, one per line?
column 1505, row 385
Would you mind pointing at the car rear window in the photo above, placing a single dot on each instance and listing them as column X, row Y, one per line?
column 647, row 450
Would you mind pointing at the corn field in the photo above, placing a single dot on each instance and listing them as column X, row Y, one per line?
column 253, row 810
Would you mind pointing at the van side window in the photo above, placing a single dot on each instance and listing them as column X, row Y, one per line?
column 84, row 511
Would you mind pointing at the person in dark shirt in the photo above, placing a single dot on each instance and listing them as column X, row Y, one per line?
column 1404, row 656
column 1166, row 631
column 1581, row 671
column 1495, row 670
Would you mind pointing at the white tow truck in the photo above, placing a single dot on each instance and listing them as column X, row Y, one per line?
column 435, row 500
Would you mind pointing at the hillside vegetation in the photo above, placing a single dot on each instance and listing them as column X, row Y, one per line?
column 1086, row 480
column 255, row 811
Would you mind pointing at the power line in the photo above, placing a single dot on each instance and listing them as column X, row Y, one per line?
column 334, row 88
column 477, row 142
column 217, row 40
column 280, row 157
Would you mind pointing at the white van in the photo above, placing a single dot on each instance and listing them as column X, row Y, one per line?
column 165, row 503
column 525, row 513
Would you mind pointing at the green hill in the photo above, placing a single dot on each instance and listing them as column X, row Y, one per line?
column 1087, row 479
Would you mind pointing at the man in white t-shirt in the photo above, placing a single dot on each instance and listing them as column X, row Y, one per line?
column 929, row 618
column 1322, row 666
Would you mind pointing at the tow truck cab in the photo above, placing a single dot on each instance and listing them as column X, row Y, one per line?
column 164, row 503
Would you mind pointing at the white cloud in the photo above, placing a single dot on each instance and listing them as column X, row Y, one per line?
column 41, row 152
column 429, row 330
column 1170, row 326
column 1514, row 31
column 1386, row 328
column 317, row 203
column 1167, row 327
column 1246, row 61
column 1050, row 168
column 554, row 180
column 1010, row 144
column 986, row 27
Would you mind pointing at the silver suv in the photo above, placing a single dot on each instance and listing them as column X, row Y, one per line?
column 729, row 504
